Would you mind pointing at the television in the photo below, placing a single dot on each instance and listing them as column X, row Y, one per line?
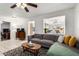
column 6, row 30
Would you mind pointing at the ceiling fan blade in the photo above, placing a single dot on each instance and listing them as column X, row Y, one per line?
column 32, row 4
column 26, row 9
column 13, row 6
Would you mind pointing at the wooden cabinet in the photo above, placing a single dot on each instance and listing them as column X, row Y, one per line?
column 20, row 34
column 5, row 36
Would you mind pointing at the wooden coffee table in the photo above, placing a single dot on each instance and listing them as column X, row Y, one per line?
column 34, row 49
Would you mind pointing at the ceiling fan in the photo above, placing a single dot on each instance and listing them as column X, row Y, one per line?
column 24, row 5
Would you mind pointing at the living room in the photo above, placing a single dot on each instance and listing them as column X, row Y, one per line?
column 32, row 23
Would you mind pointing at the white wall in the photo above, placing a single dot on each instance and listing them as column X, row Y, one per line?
column 5, row 25
column 69, row 21
column 76, row 20
column 38, row 25
column 16, row 22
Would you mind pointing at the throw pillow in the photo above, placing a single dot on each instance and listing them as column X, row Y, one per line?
column 61, row 39
column 72, row 41
column 66, row 39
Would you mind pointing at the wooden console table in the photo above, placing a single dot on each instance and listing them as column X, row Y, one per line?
column 20, row 35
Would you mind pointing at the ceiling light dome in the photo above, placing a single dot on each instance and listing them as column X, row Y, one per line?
column 18, row 4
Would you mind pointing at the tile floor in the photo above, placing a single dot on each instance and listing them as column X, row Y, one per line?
column 9, row 44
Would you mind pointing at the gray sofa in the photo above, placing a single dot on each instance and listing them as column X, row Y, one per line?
column 46, row 40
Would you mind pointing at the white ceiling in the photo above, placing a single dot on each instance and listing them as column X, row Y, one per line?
column 43, row 8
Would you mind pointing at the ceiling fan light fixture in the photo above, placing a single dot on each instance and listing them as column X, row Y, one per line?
column 18, row 4
column 25, row 5
column 22, row 7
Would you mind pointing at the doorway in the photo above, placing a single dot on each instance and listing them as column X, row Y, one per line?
column 5, row 31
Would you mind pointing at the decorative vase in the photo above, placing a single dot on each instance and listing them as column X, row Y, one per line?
column 30, row 43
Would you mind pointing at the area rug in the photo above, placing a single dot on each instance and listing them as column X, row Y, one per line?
column 19, row 52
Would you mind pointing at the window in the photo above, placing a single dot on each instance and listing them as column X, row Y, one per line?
column 54, row 25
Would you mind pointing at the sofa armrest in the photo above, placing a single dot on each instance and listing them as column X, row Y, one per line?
column 30, row 37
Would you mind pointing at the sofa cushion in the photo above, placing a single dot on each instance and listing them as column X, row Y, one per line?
column 47, row 42
column 57, row 49
column 51, row 37
column 40, row 36
column 35, row 39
